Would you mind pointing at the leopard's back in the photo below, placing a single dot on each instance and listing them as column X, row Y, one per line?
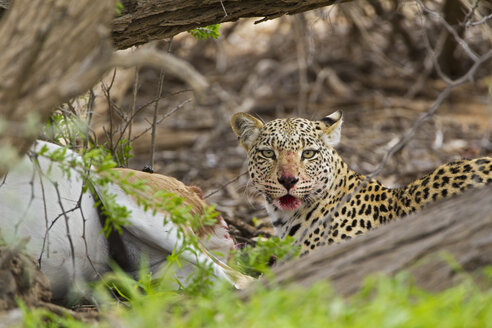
column 368, row 204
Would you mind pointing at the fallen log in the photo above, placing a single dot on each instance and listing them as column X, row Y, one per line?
column 434, row 245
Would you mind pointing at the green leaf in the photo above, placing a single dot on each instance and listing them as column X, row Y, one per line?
column 119, row 8
column 205, row 33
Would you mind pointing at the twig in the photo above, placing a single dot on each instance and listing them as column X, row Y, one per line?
column 106, row 90
column 163, row 118
column 154, row 117
column 4, row 178
column 71, row 140
column 138, row 110
column 300, row 34
column 156, row 105
column 471, row 13
column 452, row 31
column 434, row 55
column 31, row 199
column 134, row 102
column 429, row 62
column 87, row 172
column 410, row 133
column 213, row 192
column 67, row 227
column 469, row 76
column 90, row 112
column 128, row 121
column 223, row 8
column 479, row 22
column 45, row 211
column 242, row 226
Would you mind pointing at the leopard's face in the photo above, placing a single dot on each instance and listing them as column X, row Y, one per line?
column 290, row 161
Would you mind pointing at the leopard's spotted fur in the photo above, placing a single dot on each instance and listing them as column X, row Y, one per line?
column 310, row 192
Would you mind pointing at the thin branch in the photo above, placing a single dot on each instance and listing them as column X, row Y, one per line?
column 67, row 226
column 31, row 199
column 430, row 61
column 410, row 133
column 156, row 105
column 154, row 117
column 479, row 22
column 141, row 108
column 106, row 90
column 4, row 178
column 45, row 212
column 84, row 222
column 163, row 118
column 302, row 62
column 452, row 31
column 90, row 112
column 213, row 192
column 471, row 13
column 223, row 8
column 134, row 102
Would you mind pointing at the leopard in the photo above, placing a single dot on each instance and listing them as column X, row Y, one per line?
column 312, row 195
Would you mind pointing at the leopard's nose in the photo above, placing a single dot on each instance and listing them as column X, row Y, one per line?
column 288, row 181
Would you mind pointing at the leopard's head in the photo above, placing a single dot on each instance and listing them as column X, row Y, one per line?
column 291, row 161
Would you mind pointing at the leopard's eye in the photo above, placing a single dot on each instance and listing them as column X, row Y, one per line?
column 267, row 153
column 308, row 153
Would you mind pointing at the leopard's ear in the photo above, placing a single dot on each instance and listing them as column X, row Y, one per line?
column 247, row 128
column 331, row 127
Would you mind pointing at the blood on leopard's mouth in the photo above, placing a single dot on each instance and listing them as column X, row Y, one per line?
column 288, row 202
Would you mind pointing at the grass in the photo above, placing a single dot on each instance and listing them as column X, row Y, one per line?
column 381, row 302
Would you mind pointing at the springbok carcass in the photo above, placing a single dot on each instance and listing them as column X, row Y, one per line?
column 44, row 202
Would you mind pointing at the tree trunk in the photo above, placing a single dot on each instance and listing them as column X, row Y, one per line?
column 52, row 50
column 460, row 227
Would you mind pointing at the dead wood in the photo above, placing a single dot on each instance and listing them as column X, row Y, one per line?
column 460, row 227
column 143, row 21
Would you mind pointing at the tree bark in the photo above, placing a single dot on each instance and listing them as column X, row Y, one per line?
column 460, row 226
column 52, row 50
column 144, row 21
